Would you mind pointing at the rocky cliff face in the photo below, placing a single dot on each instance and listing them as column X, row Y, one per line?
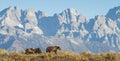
column 20, row 29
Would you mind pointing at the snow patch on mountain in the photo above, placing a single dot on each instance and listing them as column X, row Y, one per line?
column 21, row 29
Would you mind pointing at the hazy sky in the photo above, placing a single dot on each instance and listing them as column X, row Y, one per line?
column 88, row 8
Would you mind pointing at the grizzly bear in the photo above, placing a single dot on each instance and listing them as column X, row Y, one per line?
column 38, row 50
column 29, row 51
column 53, row 49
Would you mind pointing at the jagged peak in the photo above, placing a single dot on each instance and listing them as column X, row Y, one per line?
column 12, row 7
column 30, row 10
column 114, row 13
column 42, row 13
column 99, row 16
column 116, row 8
column 71, row 11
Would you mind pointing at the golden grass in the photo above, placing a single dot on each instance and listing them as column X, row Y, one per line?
column 60, row 56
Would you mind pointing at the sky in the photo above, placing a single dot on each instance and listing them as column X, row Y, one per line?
column 88, row 8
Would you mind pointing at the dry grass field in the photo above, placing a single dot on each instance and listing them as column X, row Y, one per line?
column 60, row 56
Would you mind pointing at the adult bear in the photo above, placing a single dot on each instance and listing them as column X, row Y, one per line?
column 29, row 51
column 38, row 50
column 53, row 49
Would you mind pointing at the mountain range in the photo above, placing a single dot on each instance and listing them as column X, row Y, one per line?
column 21, row 29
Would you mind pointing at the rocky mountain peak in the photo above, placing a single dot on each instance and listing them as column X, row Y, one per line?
column 114, row 13
column 70, row 15
column 72, row 11
column 12, row 8
column 20, row 29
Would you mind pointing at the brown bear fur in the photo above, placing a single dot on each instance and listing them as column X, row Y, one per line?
column 38, row 50
column 53, row 49
column 33, row 51
column 29, row 51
